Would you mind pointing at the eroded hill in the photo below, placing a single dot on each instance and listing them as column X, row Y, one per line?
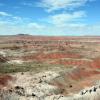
column 58, row 67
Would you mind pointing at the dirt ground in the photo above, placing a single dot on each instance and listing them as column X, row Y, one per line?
column 75, row 60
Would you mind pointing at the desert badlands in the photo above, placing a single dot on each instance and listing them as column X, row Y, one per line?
column 49, row 68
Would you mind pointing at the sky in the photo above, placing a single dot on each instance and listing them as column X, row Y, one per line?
column 50, row 17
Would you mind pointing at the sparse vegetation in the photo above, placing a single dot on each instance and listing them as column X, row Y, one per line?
column 35, row 67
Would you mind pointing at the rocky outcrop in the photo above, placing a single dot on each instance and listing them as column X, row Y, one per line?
column 30, row 86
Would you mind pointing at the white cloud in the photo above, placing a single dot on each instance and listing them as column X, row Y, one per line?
column 35, row 25
column 4, row 14
column 12, row 19
column 57, row 24
column 29, row 28
column 27, row 4
column 66, row 18
column 53, row 5
column 17, row 18
column 42, row 29
column 72, row 29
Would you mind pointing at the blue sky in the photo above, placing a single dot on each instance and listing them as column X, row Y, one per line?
column 50, row 17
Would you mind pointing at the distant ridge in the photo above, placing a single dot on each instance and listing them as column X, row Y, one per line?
column 38, row 36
